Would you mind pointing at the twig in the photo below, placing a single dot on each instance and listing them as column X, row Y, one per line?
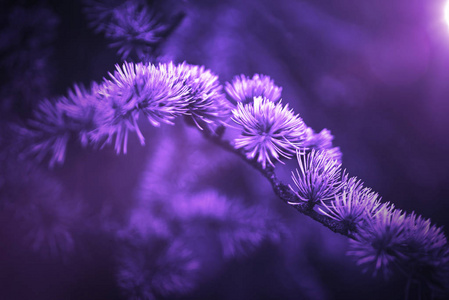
column 282, row 190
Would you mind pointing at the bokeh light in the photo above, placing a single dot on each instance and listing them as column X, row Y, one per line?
column 446, row 13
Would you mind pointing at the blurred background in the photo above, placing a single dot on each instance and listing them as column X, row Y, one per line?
column 180, row 218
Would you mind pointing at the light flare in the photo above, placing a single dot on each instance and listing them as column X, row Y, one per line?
column 446, row 13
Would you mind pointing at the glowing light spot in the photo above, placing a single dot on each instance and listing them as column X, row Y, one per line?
column 446, row 13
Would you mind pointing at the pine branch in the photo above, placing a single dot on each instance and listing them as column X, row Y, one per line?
column 281, row 190
column 381, row 235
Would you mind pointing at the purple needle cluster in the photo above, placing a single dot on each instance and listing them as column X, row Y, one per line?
column 265, row 132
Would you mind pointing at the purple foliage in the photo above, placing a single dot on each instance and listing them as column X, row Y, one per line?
column 191, row 215
column 319, row 177
column 243, row 89
column 269, row 131
column 133, row 26
column 322, row 141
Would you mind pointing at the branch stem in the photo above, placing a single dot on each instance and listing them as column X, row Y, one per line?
column 281, row 190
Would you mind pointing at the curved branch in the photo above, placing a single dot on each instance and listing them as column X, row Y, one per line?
column 281, row 190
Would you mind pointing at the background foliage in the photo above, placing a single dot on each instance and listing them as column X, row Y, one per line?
column 373, row 72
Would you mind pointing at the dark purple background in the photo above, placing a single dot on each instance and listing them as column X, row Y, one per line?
column 375, row 73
